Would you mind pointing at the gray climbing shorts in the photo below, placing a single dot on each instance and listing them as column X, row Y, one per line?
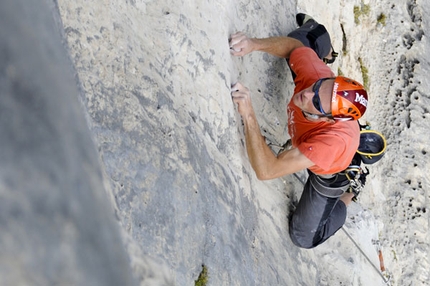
column 319, row 213
column 314, row 36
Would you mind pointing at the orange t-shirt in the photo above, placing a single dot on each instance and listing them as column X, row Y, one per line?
column 330, row 147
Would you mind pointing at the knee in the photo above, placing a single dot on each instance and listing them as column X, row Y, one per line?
column 301, row 238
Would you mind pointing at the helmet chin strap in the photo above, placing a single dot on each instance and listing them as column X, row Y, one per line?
column 342, row 118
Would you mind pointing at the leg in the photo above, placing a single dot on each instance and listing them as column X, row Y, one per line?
column 314, row 36
column 316, row 218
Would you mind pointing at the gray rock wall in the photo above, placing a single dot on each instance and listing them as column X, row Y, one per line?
column 153, row 79
column 56, row 227
column 157, row 79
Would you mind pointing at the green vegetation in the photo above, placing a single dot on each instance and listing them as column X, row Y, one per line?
column 381, row 19
column 365, row 9
column 339, row 72
column 394, row 255
column 357, row 14
column 359, row 11
column 364, row 73
column 203, row 277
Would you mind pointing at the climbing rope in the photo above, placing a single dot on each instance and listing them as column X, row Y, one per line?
column 386, row 279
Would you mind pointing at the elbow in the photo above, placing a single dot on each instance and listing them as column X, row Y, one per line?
column 263, row 176
column 265, row 172
column 293, row 44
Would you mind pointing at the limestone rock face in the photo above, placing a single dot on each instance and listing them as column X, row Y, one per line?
column 56, row 225
column 121, row 148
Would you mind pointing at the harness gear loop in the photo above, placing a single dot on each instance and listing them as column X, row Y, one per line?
column 357, row 179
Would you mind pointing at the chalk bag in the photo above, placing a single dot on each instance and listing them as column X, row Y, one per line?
column 372, row 146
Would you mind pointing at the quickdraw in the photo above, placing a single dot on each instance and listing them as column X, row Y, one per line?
column 357, row 179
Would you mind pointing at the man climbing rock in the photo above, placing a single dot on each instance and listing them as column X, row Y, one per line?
column 322, row 125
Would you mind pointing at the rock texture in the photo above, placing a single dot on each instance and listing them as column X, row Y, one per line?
column 175, row 190
column 57, row 227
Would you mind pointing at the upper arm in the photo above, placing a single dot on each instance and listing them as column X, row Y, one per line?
column 291, row 46
column 277, row 46
column 288, row 162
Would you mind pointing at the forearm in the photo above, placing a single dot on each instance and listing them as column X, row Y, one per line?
column 260, row 155
column 241, row 44
column 276, row 46
column 265, row 164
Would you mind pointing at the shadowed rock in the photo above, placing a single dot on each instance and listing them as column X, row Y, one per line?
column 56, row 227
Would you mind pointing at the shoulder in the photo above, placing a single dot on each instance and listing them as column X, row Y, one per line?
column 308, row 67
column 300, row 51
column 304, row 57
column 347, row 129
column 341, row 132
column 332, row 148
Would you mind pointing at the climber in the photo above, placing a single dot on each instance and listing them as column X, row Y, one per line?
column 322, row 125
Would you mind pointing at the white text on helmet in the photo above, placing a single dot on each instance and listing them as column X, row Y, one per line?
column 334, row 95
column 361, row 99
